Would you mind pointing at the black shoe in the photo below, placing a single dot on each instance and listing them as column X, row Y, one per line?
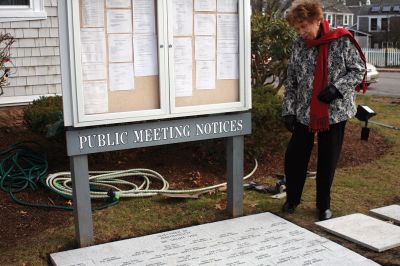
column 289, row 207
column 325, row 215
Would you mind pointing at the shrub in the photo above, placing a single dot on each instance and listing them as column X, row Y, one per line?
column 44, row 116
column 271, row 42
column 267, row 126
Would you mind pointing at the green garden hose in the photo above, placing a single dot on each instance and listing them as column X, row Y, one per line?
column 22, row 167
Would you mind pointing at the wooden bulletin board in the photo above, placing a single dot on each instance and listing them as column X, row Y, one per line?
column 145, row 92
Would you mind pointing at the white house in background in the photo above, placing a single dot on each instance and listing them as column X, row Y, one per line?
column 337, row 13
column 35, row 53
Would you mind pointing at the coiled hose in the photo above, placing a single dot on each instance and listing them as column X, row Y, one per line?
column 111, row 180
column 21, row 166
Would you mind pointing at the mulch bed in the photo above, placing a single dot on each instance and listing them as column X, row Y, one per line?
column 184, row 165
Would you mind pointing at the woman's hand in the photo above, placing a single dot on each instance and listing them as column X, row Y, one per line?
column 290, row 122
column 329, row 94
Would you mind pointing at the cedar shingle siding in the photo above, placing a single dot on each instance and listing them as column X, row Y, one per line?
column 35, row 54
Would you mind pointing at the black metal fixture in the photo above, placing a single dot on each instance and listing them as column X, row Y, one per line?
column 363, row 114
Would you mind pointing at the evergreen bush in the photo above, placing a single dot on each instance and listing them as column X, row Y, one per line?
column 267, row 126
column 45, row 116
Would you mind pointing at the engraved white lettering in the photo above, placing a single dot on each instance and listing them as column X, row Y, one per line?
column 101, row 140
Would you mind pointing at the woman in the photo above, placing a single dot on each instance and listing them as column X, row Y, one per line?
column 325, row 68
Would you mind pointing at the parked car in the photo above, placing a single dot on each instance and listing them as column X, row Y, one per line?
column 372, row 74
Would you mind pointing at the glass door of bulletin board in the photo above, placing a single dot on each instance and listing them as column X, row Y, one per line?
column 136, row 60
column 206, row 62
column 119, row 71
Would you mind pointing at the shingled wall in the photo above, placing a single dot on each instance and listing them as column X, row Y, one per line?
column 36, row 56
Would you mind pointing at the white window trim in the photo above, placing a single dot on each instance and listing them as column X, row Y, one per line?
column 35, row 10
column 329, row 18
column 346, row 20
column 378, row 26
column 388, row 24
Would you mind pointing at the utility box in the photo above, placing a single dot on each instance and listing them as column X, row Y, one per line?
column 134, row 60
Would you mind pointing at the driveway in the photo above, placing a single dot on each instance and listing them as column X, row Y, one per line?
column 388, row 85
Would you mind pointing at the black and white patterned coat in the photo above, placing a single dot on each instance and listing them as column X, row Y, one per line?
column 345, row 71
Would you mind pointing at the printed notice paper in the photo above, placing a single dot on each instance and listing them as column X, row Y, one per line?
column 204, row 24
column 204, row 5
column 205, row 75
column 146, row 58
column 205, row 48
column 118, row 3
column 93, row 53
column 227, row 46
column 120, row 48
column 93, row 13
column 121, row 76
column 183, row 17
column 227, row 66
column 95, row 97
column 183, row 66
column 228, row 27
column 230, row 6
column 119, row 21
column 144, row 17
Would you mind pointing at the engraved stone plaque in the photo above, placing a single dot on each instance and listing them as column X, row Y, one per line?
column 391, row 212
column 364, row 230
column 261, row 239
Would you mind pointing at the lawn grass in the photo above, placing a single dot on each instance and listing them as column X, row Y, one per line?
column 356, row 189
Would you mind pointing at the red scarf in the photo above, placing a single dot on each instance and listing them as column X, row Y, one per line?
column 319, row 111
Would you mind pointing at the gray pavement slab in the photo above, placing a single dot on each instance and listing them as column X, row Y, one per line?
column 391, row 213
column 364, row 230
column 260, row 239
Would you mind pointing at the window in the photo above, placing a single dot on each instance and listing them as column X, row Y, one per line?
column 396, row 9
column 373, row 24
column 375, row 9
column 17, row 10
column 346, row 19
column 14, row 2
column 384, row 24
column 386, row 8
column 329, row 18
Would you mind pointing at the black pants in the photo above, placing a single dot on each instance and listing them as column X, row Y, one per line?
column 298, row 155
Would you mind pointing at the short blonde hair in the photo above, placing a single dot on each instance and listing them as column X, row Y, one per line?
column 304, row 10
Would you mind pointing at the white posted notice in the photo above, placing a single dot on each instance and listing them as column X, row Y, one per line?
column 93, row 13
column 93, row 53
column 205, row 48
column 227, row 66
column 205, row 75
column 228, row 27
column 227, row 46
column 145, row 55
column 183, row 15
column 183, row 66
column 119, row 21
column 120, row 48
column 121, row 77
column 228, row 6
column 205, row 5
column 144, row 17
column 118, row 3
column 204, row 24
column 95, row 97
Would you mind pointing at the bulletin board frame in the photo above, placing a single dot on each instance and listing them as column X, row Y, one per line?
column 73, row 95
